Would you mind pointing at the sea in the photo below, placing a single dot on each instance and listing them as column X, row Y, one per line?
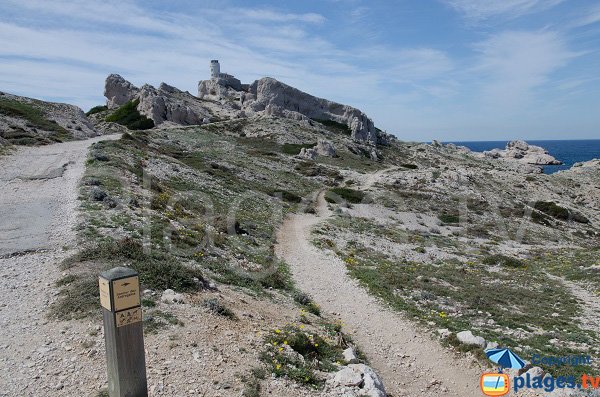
column 567, row 151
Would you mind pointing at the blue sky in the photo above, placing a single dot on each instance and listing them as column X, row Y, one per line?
column 422, row 69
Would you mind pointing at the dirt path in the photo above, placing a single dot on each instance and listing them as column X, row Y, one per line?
column 372, row 178
column 38, row 203
column 410, row 362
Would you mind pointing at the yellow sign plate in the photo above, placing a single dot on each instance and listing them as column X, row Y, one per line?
column 129, row 316
column 104, row 293
column 126, row 293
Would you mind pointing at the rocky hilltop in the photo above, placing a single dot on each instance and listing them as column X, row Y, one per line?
column 523, row 152
column 28, row 121
column 221, row 99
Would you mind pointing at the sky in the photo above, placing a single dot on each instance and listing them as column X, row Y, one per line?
column 452, row 70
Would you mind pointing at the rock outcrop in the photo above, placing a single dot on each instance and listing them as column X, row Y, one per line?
column 270, row 92
column 358, row 380
column 325, row 148
column 228, row 98
column 118, row 91
column 166, row 103
column 467, row 338
column 523, row 152
column 594, row 163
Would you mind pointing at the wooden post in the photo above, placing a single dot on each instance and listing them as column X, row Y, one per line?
column 123, row 332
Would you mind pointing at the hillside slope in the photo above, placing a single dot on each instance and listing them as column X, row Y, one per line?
column 27, row 121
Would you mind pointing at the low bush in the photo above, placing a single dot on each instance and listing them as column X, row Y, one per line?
column 78, row 298
column 96, row 109
column 299, row 355
column 130, row 117
column 307, row 302
column 503, row 260
column 350, row 195
column 409, row 166
column 286, row 196
column 449, row 218
column 218, row 308
column 556, row 211
column 334, row 126
column 157, row 270
column 156, row 320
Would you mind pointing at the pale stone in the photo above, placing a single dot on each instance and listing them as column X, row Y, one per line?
column 118, row 91
column 467, row 338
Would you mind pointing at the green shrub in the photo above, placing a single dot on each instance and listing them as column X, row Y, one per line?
column 503, row 260
column 157, row 271
column 449, row 218
column 77, row 299
column 307, row 302
column 96, row 109
column 556, row 211
column 130, row 117
column 317, row 355
column 286, row 196
column 156, row 320
column 218, row 308
column 334, row 126
column 350, row 195
column 409, row 166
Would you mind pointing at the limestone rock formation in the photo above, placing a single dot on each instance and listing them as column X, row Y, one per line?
column 226, row 97
column 308, row 154
column 467, row 338
column 270, row 92
column 166, row 103
column 170, row 104
column 218, row 89
column 522, row 152
column 362, row 380
column 325, row 148
column 118, row 91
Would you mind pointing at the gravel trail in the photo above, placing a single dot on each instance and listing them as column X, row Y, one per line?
column 38, row 213
column 410, row 362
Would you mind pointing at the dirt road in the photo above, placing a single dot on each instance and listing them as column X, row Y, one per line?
column 38, row 202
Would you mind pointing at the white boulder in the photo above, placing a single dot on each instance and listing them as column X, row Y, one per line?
column 118, row 91
column 350, row 356
column 170, row 296
column 467, row 338
column 361, row 378
column 325, row 148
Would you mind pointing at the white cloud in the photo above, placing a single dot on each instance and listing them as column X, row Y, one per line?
column 275, row 16
column 513, row 64
column 483, row 9
column 591, row 16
